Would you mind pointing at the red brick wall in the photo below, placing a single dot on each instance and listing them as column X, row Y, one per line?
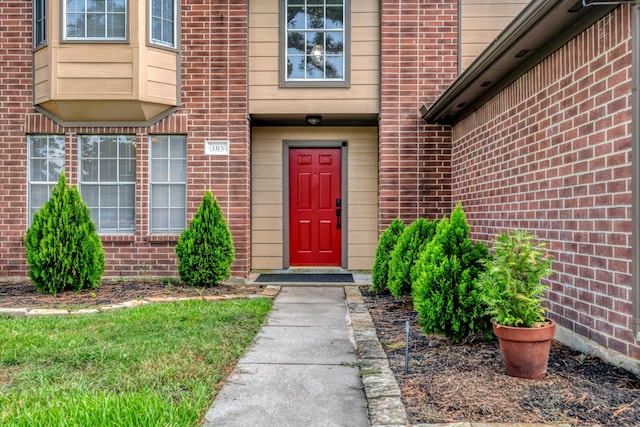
column 15, row 102
column 552, row 154
column 419, row 60
column 214, row 107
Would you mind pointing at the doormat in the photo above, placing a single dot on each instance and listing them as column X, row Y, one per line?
column 305, row 278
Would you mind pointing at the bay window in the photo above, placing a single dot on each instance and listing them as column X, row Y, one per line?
column 162, row 27
column 95, row 19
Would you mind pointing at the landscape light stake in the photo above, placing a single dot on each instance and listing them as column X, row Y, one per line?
column 406, row 349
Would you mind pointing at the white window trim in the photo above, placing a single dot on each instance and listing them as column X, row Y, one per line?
column 125, row 37
column 39, row 6
column 176, row 16
column 119, row 230
column 169, row 183
column 30, row 183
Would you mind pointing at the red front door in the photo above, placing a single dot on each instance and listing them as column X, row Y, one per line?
column 314, row 207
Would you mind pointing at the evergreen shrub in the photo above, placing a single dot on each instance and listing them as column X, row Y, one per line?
column 410, row 244
column 388, row 240
column 445, row 293
column 63, row 249
column 511, row 284
column 205, row 249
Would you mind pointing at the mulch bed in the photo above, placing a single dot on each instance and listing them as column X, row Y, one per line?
column 450, row 382
column 24, row 295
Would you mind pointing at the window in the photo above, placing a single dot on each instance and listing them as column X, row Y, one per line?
column 163, row 22
column 39, row 22
column 46, row 162
column 108, row 181
column 315, row 40
column 95, row 19
column 168, row 183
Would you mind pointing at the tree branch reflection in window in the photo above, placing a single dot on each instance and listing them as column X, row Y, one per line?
column 315, row 40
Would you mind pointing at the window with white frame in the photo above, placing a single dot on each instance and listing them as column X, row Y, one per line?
column 108, row 181
column 95, row 19
column 168, row 183
column 39, row 23
column 46, row 162
column 163, row 22
column 315, row 40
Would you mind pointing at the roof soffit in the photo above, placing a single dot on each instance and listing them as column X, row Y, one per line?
column 542, row 27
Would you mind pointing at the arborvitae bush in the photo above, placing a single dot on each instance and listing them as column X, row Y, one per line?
column 63, row 250
column 388, row 240
column 445, row 293
column 410, row 244
column 205, row 249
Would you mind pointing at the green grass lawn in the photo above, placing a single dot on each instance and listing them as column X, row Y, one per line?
column 154, row 365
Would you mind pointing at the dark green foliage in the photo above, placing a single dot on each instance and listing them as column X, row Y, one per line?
column 410, row 243
column 388, row 240
column 444, row 293
column 64, row 252
column 205, row 250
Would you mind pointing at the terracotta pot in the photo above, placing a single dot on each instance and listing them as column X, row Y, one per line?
column 525, row 351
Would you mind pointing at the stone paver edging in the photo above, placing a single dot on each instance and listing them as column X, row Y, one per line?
column 267, row 292
column 380, row 386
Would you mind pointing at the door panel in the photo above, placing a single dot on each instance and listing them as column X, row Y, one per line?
column 314, row 189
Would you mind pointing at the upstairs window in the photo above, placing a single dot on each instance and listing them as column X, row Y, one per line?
column 95, row 19
column 39, row 23
column 163, row 22
column 315, row 41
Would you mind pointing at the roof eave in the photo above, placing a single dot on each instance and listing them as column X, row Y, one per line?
column 542, row 27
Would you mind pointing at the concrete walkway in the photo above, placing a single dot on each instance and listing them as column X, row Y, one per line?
column 302, row 369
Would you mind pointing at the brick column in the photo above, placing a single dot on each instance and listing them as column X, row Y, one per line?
column 419, row 60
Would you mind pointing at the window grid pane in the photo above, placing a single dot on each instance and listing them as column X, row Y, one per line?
column 95, row 20
column 168, row 181
column 107, row 181
column 46, row 162
column 39, row 23
column 315, row 40
column 163, row 22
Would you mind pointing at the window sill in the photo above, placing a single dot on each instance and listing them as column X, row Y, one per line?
column 315, row 84
column 162, row 238
column 123, row 238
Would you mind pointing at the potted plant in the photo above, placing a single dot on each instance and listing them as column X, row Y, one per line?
column 513, row 293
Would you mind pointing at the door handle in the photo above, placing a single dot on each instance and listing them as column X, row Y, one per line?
column 338, row 213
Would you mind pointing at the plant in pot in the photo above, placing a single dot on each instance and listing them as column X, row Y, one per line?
column 513, row 293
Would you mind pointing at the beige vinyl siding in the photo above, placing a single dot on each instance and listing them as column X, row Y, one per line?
column 161, row 76
column 42, row 74
column 481, row 21
column 363, row 200
column 267, row 172
column 265, row 95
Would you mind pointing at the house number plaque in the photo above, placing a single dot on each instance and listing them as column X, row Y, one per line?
column 216, row 148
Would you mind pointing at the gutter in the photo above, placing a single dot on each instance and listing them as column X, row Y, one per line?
column 542, row 27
